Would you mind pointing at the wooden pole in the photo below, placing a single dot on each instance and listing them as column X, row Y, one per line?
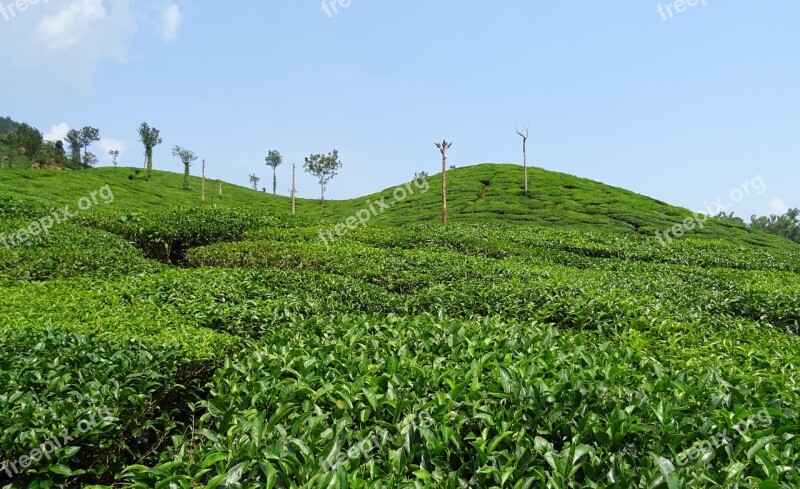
column 444, row 187
column 294, row 189
column 443, row 147
column 525, row 162
column 203, row 185
column 524, row 136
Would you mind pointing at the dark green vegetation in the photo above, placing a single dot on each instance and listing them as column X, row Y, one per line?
column 23, row 146
column 548, row 341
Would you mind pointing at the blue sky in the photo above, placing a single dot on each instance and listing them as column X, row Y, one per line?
column 684, row 108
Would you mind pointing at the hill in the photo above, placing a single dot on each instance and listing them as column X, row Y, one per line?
column 550, row 341
column 487, row 193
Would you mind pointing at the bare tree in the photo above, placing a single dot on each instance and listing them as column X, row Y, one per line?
column 443, row 147
column 294, row 188
column 524, row 136
column 203, row 184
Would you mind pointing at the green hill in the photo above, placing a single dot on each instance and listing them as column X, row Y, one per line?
column 542, row 341
column 487, row 193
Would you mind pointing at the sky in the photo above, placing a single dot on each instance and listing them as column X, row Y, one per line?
column 694, row 105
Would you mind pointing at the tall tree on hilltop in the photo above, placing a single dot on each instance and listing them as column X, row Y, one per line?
column 274, row 160
column 75, row 147
column 524, row 135
column 89, row 135
column 443, row 147
column 324, row 167
column 187, row 157
column 150, row 137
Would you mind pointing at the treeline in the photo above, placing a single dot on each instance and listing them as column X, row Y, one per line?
column 786, row 225
column 23, row 146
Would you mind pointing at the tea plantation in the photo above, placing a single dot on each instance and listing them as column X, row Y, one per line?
column 543, row 341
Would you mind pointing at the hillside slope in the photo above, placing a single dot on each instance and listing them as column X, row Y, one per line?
column 227, row 343
column 486, row 193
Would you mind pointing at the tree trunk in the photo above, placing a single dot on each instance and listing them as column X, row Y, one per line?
column 444, row 186
column 525, row 162
column 293, row 189
column 274, row 182
column 322, row 201
column 443, row 147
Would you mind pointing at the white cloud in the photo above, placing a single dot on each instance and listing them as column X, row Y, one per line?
column 57, row 47
column 171, row 21
column 109, row 144
column 57, row 132
column 69, row 25
column 778, row 206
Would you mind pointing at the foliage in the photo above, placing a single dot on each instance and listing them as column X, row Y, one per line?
column 274, row 160
column 11, row 207
column 543, row 342
column 51, row 154
column 786, row 225
column 7, row 125
column 168, row 234
column 254, row 181
column 23, row 147
column 114, row 154
column 120, row 401
column 187, row 157
column 119, row 309
column 324, row 167
column 564, row 288
column 27, row 137
column 89, row 135
column 75, row 146
column 150, row 137
column 68, row 251
column 359, row 401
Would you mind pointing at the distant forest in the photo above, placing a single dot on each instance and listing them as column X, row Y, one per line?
column 23, row 146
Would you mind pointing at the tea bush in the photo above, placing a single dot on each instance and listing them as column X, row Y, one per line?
column 103, row 404
column 167, row 235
